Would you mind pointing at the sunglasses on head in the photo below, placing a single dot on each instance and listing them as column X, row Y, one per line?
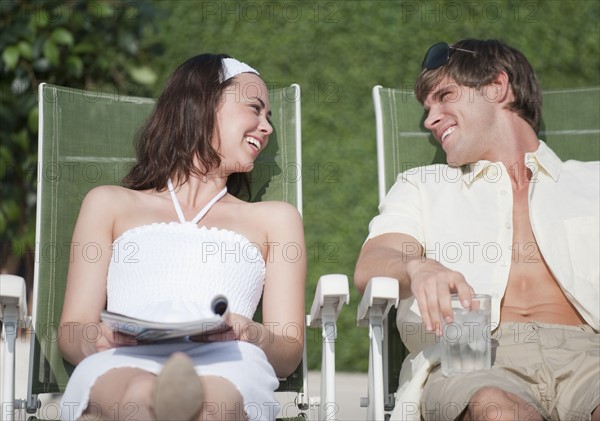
column 439, row 54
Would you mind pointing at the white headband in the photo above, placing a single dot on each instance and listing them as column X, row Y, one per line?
column 232, row 68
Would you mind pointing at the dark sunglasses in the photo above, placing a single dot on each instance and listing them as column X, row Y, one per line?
column 438, row 55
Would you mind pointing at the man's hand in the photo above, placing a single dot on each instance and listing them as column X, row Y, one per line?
column 431, row 284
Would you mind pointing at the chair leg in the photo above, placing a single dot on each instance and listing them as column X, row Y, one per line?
column 376, row 406
column 328, row 404
column 10, row 318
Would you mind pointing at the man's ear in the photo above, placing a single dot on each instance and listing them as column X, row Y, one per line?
column 499, row 90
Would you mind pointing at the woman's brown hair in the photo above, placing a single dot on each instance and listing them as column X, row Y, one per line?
column 176, row 140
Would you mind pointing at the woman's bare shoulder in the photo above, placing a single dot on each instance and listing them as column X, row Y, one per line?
column 277, row 217
column 275, row 209
column 110, row 198
column 103, row 193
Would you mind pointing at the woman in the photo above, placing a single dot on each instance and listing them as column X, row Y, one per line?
column 174, row 237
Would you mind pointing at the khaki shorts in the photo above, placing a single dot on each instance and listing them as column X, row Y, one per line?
column 555, row 368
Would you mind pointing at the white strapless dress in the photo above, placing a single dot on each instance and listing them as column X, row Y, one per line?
column 170, row 272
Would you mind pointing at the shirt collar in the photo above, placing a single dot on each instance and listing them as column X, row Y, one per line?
column 472, row 171
column 546, row 160
column 543, row 159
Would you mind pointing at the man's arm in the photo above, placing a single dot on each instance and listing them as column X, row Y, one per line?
column 387, row 255
column 400, row 256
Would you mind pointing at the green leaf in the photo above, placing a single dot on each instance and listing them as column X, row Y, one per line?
column 132, row 13
column 51, row 52
column 5, row 159
column 21, row 139
column 28, row 236
column 32, row 120
column 25, row 50
column 97, row 9
column 2, row 224
column 103, row 63
column 10, row 56
column 143, row 75
column 41, row 18
column 62, row 36
column 5, row 154
column 12, row 210
column 84, row 47
column 75, row 66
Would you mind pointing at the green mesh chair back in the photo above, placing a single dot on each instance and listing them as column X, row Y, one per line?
column 570, row 126
column 86, row 140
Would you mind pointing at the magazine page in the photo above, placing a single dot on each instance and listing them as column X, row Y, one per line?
column 151, row 331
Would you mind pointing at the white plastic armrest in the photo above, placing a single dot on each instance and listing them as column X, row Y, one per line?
column 12, row 292
column 333, row 292
column 13, row 310
column 381, row 293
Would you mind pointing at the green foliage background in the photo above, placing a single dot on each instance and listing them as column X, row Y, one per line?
column 337, row 51
column 95, row 45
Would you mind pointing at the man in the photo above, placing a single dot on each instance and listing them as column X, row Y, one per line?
column 526, row 228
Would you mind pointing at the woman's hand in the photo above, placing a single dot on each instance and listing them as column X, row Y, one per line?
column 236, row 328
column 109, row 338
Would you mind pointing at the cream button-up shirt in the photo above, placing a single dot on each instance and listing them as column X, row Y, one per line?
column 463, row 218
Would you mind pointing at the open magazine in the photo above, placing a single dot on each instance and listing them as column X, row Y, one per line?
column 149, row 331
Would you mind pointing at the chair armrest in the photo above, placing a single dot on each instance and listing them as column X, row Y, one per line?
column 13, row 310
column 381, row 293
column 330, row 296
column 333, row 292
column 12, row 292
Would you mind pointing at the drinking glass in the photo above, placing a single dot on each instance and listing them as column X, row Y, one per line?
column 466, row 342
